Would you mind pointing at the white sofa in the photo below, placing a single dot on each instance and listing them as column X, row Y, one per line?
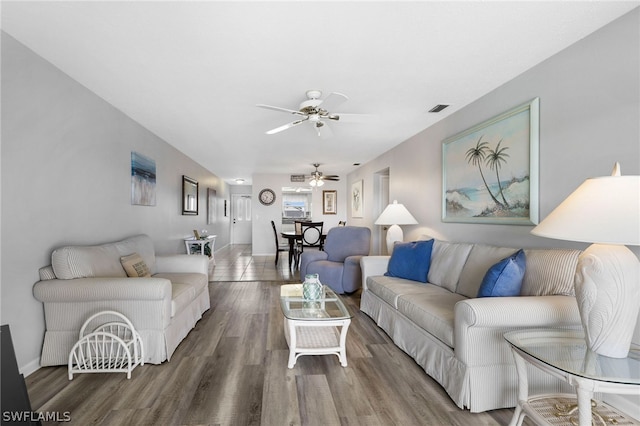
column 84, row 280
column 458, row 338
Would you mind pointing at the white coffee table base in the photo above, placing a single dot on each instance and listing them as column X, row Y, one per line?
column 316, row 338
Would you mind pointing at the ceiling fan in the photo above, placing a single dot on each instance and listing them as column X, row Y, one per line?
column 316, row 111
column 317, row 178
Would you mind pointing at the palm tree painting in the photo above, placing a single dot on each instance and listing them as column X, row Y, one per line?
column 490, row 172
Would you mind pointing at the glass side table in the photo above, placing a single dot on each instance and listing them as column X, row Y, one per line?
column 563, row 354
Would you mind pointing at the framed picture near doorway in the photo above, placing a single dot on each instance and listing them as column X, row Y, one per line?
column 357, row 199
column 329, row 202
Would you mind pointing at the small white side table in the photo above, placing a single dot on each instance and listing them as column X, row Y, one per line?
column 563, row 354
column 311, row 327
column 191, row 242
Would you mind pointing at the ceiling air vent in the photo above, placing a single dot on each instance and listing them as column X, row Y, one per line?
column 297, row 178
column 438, row 108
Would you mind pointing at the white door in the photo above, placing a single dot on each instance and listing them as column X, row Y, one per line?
column 240, row 219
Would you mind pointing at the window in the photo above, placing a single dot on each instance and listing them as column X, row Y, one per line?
column 296, row 204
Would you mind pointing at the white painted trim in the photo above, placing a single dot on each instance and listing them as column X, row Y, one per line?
column 30, row 367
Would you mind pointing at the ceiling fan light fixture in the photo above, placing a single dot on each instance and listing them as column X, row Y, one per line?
column 316, row 182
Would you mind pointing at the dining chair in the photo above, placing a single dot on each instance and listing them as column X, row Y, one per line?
column 279, row 246
column 310, row 236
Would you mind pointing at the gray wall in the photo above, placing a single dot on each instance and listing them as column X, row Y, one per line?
column 66, row 163
column 589, row 118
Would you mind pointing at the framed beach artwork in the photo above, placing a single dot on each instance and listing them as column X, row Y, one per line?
column 143, row 180
column 357, row 199
column 490, row 172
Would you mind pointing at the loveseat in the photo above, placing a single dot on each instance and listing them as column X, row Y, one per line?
column 163, row 296
column 456, row 337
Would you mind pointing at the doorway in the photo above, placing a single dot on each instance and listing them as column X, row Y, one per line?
column 381, row 196
column 240, row 219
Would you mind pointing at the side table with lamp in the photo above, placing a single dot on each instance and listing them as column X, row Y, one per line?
column 604, row 211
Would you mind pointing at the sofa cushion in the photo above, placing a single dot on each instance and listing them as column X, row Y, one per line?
column 410, row 260
column 87, row 262
column 505, row 277
column 101, row 260
column 550, row 272
column 134, row 266
column 194, row 279
column 390, row 288
column 447, row 261
column 432, row 310
column 181, row 296
column 185, row 287
column 480, row 259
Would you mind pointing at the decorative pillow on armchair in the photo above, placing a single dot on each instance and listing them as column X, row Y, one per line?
column 505, row 277
column 410, row 261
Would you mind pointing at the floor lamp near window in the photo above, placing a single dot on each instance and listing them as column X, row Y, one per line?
column 395, row 214
column 604, row 211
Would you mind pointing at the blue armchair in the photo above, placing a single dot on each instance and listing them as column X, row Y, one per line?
column 338, row 266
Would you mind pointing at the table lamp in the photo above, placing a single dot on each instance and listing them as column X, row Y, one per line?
column 395, row 214
column 604, row 211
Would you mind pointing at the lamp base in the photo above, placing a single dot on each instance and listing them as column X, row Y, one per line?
column 394, row 233
column 607, row 292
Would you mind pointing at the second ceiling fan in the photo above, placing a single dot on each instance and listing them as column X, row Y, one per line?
column 316, row 111
column 317, row 178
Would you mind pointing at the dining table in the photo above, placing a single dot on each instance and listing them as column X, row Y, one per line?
column 292, row 237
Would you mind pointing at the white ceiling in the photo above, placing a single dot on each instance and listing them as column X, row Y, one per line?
column 192, row 72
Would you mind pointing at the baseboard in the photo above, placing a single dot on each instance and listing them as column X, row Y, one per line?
column 30, row 368
column 626, row 405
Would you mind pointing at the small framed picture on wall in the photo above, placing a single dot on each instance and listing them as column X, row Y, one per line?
column 357, row 199
column 329, row 202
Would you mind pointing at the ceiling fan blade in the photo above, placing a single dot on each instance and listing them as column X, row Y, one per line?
column 333, row 178
column 333, row 100
column 286, row 126
column 275, row 108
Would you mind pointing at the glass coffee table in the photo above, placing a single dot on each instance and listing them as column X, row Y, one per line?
column 564, row 354
column 316, row 327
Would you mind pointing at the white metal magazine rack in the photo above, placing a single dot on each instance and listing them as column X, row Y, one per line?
column 112, row 347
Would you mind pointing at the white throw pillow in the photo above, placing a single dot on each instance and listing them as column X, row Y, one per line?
column 550, row 272
column 447, row 260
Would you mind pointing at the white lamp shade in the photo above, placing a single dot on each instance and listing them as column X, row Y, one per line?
column 602, row 210
column 396, row 214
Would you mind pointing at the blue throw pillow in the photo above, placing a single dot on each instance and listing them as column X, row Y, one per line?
column 411, row 260
column 505, row 277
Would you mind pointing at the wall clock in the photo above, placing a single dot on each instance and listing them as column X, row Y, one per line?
column 267, row 196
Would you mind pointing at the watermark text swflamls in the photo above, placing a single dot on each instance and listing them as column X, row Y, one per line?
column 32, row 416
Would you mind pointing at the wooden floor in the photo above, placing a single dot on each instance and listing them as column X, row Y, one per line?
column 232, row 370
